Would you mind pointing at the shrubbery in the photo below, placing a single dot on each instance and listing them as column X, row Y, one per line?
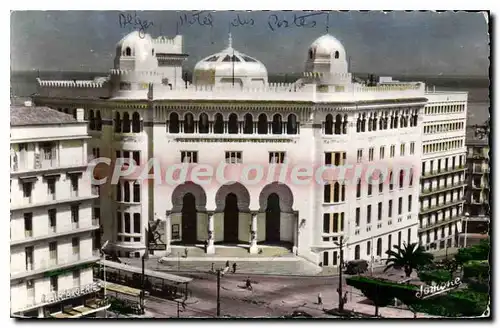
column 437, row 276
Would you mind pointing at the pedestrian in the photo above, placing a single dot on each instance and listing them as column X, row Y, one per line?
column 320, row 299
column 344, row 299
column 234, row 267
column 184, row 304
column 227, row 264
column 249, row 284
column 186, row 252
column 212, row 267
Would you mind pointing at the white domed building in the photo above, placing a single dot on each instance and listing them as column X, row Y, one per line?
column 147, row 112
column 230, row 67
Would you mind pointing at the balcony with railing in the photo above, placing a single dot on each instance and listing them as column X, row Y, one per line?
column 430, row 190
column 427, row 225
column 437, row 207
column 436, row 173
column 480, row 169
column 55, row 232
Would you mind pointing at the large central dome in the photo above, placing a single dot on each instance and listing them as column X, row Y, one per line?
column 230, row 67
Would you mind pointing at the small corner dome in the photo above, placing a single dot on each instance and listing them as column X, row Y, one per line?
column 326, row 46
column 136, row 45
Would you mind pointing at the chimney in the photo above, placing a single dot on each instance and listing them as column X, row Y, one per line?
column 79, row 115
column 28, row 103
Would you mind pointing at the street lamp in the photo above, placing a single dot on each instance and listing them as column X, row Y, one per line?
column 465, row 230
column 341, row 244
column 101, row 250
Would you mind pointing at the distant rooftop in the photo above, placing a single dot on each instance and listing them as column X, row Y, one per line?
column 27, row 115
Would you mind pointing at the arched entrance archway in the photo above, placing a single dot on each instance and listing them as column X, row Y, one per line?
column 189, row 214
column 231, row 213
column 273, row 215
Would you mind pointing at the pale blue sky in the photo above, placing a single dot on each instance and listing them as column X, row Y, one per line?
column 381, row 43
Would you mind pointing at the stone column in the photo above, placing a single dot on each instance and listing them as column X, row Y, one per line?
column 210, row 240
column 168, row 231
column 295, row 232
column 253, row 234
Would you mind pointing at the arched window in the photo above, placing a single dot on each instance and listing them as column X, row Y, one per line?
column 336, row 192
column 396, row 120
column 232, row 126
column 219, row 123
column 173, row 123
column 277, row 125
column 188, row 123
column 126, row 123
column 358, row 124
column 203, row 125
column 370, row 123
column 329, row 124
column 338, row 124
column 402, row 121
column 336, row 55
column 363, row 123
column 128, row 51
column 374, row 128
column 356, row 252
column 386, row 122
column 344, row 125
column 379, row 247
column 152, row 52
column 262, row 124
column 381, row 123
column 291, row 124
column 392, row 121
column 91, row 120
column 311, row 55
column 248, row 124
column 98, row 120
column 136, row 123
column 118, row 123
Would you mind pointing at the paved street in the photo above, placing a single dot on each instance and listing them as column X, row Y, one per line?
column 272, row 295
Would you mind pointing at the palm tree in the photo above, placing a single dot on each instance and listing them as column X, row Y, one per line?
column 408, row 257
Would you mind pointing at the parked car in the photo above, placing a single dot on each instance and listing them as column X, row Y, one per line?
column 356, row 267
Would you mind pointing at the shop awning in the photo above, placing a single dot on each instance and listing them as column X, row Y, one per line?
column 91, row 306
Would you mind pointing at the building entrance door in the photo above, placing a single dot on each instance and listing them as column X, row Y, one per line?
column 273, row 214
column 231, row 213
column 189, row 219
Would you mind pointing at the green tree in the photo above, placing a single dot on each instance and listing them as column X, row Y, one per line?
column 408, row 257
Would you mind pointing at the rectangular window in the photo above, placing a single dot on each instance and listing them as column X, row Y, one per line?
column 409, row 236
column 51, row 188
column 402, row 150
column 189, row 157
column 119, row 191
column 75, row 245
column 96, row 215
column 30, row 288
column 327, row 193
column 358, row 189
column 400, row 205
column 276, row 157
column 127, row 222
column 390, row 208
column 119, row 222
column 328, row 158
column 53, row 284
column 233, row 157
column 335, row 222
column 393, row 150
column 75, row 217
column 27, row 188
column 53, row 251
column 136, row 156
column 74, row 185
column 335, row 258
column 379, row 211
column 382, row 152
column 137, row 223
column 137, row 192
column 412, row 148
column 368, row 247
column 368, row 214
column 126, row 191
column 370, row 186
column 326, row 222
column 389, row 242
column 409, row 203
column 28, row 224
column 76, row 278
column 360, row 156
column 28, row 252
column 399, row 239
column 126, row 155
column 370, row 154
column 52, row 219
column 118, row 154
column 358, row 216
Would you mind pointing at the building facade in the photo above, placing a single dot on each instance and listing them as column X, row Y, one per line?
column 477, row 204
column 51, row 226
column 369, row 136
column 442, row 193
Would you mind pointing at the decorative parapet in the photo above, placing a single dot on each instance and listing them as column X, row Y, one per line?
column 124, row 72
column 70, row 83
